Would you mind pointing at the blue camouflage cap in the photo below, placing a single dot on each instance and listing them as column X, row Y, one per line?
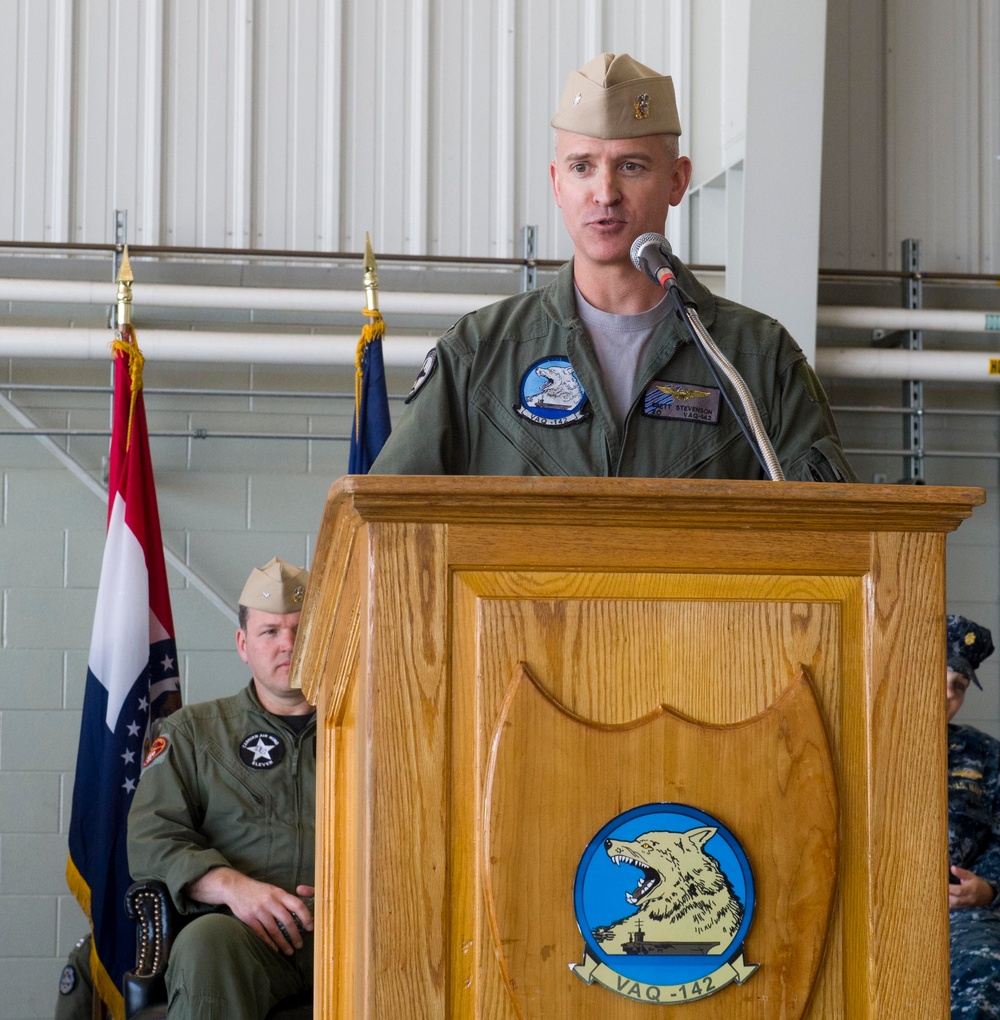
column 968, row 645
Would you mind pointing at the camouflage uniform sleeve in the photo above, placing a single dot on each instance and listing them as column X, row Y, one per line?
column 805, row 435
column 988, row 862
column 164, row 842
column 432, row 438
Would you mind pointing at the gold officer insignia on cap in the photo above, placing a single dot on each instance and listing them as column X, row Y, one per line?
column 277, row 587
column 970, row 638
column 641, row 106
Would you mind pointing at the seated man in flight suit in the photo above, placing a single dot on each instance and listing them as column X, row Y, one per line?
column 224, row 814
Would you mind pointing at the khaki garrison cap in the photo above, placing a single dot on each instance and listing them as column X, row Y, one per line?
column 614, row 96
column 277, row 587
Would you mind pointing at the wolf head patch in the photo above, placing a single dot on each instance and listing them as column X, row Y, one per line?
column 664, row 898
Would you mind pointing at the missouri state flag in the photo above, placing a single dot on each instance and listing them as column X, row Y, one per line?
column 132, row 680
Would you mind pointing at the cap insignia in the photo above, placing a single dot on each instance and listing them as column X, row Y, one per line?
column 641, row 106
column 298, row 593
column 577, row 98
column 970, row 638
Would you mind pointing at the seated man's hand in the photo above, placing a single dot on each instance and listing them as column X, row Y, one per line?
column 971, row 890
column 278, row 917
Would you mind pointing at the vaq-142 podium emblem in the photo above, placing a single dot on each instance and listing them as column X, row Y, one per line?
column 664, row 898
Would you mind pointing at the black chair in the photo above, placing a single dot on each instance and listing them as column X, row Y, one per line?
column 157, row 925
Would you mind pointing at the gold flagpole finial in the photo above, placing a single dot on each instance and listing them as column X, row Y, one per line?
column 125, row 279
column 371, row 279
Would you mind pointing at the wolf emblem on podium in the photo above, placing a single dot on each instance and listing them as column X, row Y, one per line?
column 678, row 934
column 697, row 862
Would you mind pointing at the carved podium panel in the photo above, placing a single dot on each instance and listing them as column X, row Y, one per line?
column 593, row 748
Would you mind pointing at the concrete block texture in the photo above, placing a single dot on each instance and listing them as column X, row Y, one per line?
column 207, row 500
column 277, row 505
column 54, row 618
column 31, row 678
column 32, row 557
column 30, row 987
column 29, row 801
column 39, row 741
column 50, row 498
column 32, row 864
column 27, row 926
column 71, row 924
column 213, row 674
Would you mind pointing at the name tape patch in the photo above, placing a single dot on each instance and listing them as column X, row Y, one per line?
column 682, row 401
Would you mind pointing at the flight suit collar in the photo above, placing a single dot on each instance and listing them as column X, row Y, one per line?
column 559, row 299
column 250, row 692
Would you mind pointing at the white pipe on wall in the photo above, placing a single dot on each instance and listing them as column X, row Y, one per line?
column 409, row 351
column 200, row 346
column 941, row 319
column 931, row 366
column 167, row 295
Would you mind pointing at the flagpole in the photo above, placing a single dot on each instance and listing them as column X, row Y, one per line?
column 371, row 402
column 371, row 283
column 125, row 279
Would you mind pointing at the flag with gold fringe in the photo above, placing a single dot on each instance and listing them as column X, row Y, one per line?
column 371, row 426
column 132, row 680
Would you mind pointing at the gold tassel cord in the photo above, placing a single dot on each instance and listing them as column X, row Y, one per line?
column 124, row 343
column 374, row 330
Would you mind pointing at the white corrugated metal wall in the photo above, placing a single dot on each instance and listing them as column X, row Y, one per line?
column 912, row 134
column 269, row 124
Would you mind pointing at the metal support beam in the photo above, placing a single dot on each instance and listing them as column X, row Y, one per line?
column 529, row 243
column 913, row 389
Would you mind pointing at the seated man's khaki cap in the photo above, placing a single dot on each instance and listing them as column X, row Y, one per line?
column 276, row 587
column 614, row 96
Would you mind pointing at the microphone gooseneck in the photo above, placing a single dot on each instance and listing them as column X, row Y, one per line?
column 651, row 255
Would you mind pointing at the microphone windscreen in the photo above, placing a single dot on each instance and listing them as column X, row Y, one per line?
column 644, row 241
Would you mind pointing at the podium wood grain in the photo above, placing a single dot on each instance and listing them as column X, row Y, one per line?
column 619, row 596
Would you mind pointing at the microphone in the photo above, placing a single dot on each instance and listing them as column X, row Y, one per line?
column 651, row 256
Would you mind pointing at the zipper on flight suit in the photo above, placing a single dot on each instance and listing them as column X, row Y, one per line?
column 296, row 748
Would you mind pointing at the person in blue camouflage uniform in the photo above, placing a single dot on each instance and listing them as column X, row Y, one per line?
column 973, row 836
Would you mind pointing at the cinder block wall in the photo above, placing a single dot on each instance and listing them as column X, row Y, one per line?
column 227, row 505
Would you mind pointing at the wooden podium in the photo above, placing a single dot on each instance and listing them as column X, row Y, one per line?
column 507, row 671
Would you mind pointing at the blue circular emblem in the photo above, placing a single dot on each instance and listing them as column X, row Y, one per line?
column 551, row 393
column 664, row 898
column 67, row 980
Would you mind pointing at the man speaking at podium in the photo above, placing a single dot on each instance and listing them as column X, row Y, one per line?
column 596, row 374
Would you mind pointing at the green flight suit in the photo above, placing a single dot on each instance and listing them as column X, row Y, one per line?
column 476, row 408
column 76, row 987
column 227, row 783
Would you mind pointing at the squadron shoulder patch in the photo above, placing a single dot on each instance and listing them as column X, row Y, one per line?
column 426, row 371
column 682, row 401
column 67, row 980
column 664, row 899
column 551, row 394
column 156, row 748
column 262, row 751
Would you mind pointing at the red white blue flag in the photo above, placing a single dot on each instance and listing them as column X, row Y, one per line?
column 132, row 680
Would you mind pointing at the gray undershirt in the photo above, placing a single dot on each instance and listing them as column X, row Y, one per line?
column 620, row 341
